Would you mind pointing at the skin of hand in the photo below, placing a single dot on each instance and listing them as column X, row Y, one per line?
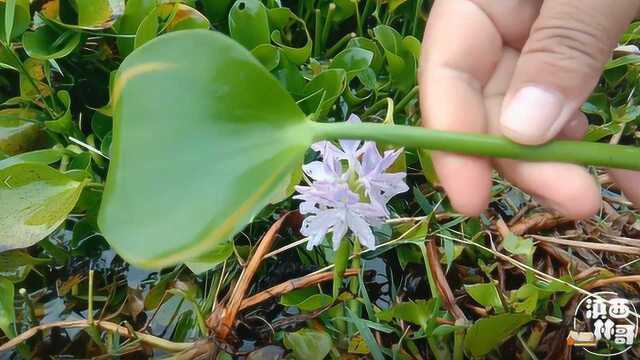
column 520, row 68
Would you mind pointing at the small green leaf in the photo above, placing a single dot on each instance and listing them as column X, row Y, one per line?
column 308, row 344
column 36, row 199
column 486, row 295
column 352, row 60
column 518, row 245
column 488, row 333
column 63, row 124
column 315, row 302
column 418, row 312
column 268, row 55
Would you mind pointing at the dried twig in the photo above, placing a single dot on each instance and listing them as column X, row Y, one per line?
column 612, row 280
column 290, row 285
column 444, row 289
column 221, row 322
column 154, row 341
column 538, row 222
column 621, row 249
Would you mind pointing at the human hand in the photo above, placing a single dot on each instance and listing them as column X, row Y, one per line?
column 520, row 68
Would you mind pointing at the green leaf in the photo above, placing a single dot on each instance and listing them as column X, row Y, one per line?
column 249, row 23
column 229, row 178
column 488, row 333
column 518, row 245
column 20, row 130
column 295, row 297
column 418, row 312
column 366, row 334
column 45, row 43
column 63, row 124
column 221, row 252
column 352, row 60
column 323, row 91
column 16, row 264
column 283, row 22
column 46, row 156
column 15, row 17
column 308, row 344
column 168, row 18
column 36, row 199
column 9, row 17
column 315, row 302
column 486, row 295
column 134, row 12
column 268, row 55
column 83, row 14
column 7, row 313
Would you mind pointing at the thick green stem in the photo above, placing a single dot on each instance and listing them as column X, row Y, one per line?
column 578, row 152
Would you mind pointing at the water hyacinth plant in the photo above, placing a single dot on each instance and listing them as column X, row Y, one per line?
column 348, row 190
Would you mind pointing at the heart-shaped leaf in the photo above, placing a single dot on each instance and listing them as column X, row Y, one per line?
column 181, row 181
column 36, row 199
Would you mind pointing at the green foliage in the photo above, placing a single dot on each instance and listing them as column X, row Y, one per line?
column 308, row 344
column 489, row 332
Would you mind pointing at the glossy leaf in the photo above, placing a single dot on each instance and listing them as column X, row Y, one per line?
column 63, row 124
column 282, row 20
column 249, row 23
column 352, row 60
column 36, row 199
column 45, row 43
column 489, row 332
column 135, row 11
column 156, row 86
column 268, row 55
column 485, row 294
column 323, row 91
column 167, row 18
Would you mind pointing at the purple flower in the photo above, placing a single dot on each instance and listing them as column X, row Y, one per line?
column 348, row 190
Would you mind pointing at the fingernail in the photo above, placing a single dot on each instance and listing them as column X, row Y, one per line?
column 531, row 114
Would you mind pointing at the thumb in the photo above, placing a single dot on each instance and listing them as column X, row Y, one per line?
column 560, row 64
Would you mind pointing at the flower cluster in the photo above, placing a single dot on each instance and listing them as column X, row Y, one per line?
column 348, row 190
